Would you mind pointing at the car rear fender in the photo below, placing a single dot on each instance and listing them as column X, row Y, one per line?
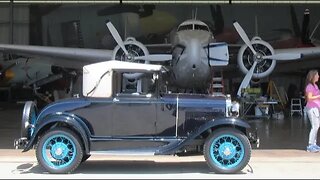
column 53, row 120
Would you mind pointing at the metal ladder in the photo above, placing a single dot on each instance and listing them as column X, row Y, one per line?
column 296, row 106
column 217, row 86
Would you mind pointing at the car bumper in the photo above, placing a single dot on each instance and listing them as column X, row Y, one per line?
column 20, row 143
column 253, row 137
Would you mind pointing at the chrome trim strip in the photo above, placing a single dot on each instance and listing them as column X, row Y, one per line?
column 177, row 115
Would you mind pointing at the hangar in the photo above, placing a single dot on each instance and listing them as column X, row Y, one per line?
column 147, row 28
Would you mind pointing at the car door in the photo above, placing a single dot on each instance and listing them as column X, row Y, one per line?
column 134, row 115
column 166, row 115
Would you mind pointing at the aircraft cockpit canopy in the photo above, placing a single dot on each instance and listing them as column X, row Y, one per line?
column 193, row 25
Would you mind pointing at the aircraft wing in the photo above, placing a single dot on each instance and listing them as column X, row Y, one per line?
column 310, row 60
column 308, row 52
column 61, row 56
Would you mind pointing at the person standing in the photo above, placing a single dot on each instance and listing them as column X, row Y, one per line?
column 312, row 95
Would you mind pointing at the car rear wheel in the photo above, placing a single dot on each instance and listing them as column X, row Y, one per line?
column 59, row 151
column 227, row 150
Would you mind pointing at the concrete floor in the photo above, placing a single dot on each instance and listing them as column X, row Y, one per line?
column 264, row 164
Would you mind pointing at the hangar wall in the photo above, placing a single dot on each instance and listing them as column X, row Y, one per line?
column 20, row 24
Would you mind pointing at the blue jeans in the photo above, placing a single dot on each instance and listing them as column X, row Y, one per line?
column 314, row 117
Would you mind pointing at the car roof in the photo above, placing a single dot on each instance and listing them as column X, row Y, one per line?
column 125, row 66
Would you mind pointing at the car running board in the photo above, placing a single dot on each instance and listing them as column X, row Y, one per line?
column 136, row 152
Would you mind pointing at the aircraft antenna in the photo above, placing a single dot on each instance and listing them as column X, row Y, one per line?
column 314, row 30
column 125, row 26
column 192, row 14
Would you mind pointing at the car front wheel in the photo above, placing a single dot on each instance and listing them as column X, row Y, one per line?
column 227, row 150
column 59, row 151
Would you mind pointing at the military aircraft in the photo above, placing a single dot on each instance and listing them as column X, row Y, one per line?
column 190, row 61
column 193, row 53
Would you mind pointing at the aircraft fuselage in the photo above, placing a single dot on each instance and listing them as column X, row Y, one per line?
column 190, row 65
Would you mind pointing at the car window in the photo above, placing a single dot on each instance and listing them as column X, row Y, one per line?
column 144, row 86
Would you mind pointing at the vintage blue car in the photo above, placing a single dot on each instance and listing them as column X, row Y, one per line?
column 110, row 118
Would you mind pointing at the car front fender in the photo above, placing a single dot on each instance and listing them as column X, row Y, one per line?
column 51, row 120
column 214, row 123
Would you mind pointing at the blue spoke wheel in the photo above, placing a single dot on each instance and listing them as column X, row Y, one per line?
column 59, row 151
column 227, row 150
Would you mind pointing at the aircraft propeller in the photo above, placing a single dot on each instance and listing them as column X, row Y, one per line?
column 147, row 57
column 116, row 36
column 303, row 32
column 258, row 57
column 305, row 36
column 294, row 21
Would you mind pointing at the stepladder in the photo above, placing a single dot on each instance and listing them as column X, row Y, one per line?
column 217, row 84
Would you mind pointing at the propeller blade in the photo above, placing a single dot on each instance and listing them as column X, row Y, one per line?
column 284, row 56
column 116, row 36
column 305, row 38
column 246, row 80
column 154, row 57
column 217, row 18
column 294, row 21
column 244, row 36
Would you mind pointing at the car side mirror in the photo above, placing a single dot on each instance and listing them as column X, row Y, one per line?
column 155, row 76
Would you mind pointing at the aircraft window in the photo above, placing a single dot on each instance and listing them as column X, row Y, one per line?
column 185, row 27
column 201, row 27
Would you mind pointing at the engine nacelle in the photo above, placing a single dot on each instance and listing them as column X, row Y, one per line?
column 134, row 48
column 264, row 66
